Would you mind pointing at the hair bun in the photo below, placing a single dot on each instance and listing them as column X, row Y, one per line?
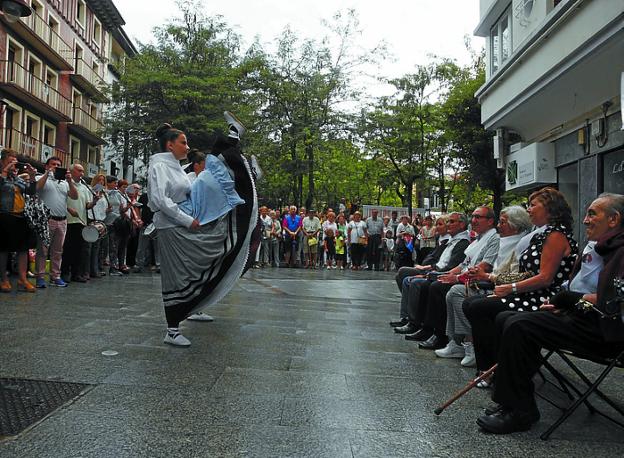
column 162, row 130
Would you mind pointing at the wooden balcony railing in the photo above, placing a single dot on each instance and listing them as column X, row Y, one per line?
column 14, row 74
column 85, row 120
column 31, row 147
column 96, row 82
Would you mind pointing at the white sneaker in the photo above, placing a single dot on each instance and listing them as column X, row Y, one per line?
column 452, row 350
column 177, row 340
column 469, row 359
column 200, row 316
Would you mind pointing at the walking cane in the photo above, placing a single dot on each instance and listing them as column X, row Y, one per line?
column 465, row 389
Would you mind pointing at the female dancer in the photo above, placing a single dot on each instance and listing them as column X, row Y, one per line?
column 204, row 230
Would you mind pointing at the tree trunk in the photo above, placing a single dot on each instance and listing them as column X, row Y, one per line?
column 442, row 191
column 499, row 190
column 310, row 157
column 125, row 161
column 409, row 189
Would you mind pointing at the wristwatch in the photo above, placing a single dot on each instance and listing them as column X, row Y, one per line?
column 514, row 288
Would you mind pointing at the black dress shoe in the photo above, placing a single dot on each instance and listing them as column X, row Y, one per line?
column 507, row 421
column 409, row 328
column 420, row 336
column 492, row 409
column 398, row 324
column 433, row 343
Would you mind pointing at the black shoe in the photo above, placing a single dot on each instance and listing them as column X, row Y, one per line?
column 420, row 336
column 398, row 324
column 492, row 409
column 409, row 328
column 507, row 421
column 79, row 279
column 433, row 343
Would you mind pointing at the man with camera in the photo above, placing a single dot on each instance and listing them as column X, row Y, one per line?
column 585, row 318
column 54, row 187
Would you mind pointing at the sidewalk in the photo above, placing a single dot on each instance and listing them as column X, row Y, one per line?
column 297, row 363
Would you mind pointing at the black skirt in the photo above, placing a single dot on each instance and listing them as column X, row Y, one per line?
column 15, row 235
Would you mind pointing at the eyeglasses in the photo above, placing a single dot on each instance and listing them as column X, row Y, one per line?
column 451, row 221
column 478, row 216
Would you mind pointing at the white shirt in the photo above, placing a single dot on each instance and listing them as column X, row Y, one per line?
column 405, row 228
column 99, row 210
column 311, row 225
column 54, row 195
column 329, row 225
column 357, row 230
column 79, row 204
column 168, row 186
column 586, row 280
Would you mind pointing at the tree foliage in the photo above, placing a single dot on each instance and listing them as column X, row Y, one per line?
column 299, row 104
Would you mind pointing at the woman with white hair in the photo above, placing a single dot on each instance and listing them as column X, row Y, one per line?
column 513, row 224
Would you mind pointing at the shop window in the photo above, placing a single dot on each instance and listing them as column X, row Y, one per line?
column 568, row 185
column 613, row 169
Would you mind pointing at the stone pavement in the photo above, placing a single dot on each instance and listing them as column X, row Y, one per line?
column 298, row 363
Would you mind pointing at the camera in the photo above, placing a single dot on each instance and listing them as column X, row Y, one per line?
column 59, row 173
column 20, row 167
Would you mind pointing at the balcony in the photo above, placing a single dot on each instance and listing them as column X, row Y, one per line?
column 33, row 91
column 38, row 34
column 88, row 127
column 88, row 80
column 31, row 147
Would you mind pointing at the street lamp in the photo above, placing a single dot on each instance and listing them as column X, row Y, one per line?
column 15, row 9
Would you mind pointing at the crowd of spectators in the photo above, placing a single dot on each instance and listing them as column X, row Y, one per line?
column 70, row 230
column 293, row 237
column 496, row 289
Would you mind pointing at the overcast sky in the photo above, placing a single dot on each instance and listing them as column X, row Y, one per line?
column 413, row 29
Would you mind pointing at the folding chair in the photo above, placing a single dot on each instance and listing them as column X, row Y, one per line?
column 577, row 395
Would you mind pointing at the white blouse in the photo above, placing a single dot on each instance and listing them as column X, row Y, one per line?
column 168, row 186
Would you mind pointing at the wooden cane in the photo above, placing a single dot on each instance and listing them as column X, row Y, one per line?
column 465, row 389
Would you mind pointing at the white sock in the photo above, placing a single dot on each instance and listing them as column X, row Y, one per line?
column 173, row 331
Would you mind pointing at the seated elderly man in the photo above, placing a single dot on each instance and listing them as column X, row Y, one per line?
column 414, row 288
column 480, row 254
column 513, row 225
column 562, row 324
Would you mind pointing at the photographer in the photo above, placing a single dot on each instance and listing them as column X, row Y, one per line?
column 15, row 235
column 54, row 189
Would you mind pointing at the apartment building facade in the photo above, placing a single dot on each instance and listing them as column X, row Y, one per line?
column 53, row 65
column 553, row 94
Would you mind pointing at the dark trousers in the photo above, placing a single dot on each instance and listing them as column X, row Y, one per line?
column 357, row 254
column 417, row 296
column 482, row 312
column 75, row 252
column 435, row 316
column 94, row 258
column 374, row 251
column 405, row 272
column 523, row 335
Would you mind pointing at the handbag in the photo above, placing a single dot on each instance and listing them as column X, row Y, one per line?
column 361, row 240
column 312, row 241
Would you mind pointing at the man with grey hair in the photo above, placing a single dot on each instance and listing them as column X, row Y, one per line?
column 75, row 250
column 513, row 225
column 482, row 254
column 593, row 323
column 415, row 288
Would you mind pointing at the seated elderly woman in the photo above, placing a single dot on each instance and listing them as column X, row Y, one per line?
column 544, row 265
column 513, row 225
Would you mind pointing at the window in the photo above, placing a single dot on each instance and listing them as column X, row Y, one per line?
column 49, row 134
column 74, row 149
column 500, row 42
column 97, row 33
column 81, row 13
column 568, row 185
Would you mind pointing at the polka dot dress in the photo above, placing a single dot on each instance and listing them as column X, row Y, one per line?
column 530, row 262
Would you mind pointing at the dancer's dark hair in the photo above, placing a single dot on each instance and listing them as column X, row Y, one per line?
column 165, row 134
column 195, row 156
